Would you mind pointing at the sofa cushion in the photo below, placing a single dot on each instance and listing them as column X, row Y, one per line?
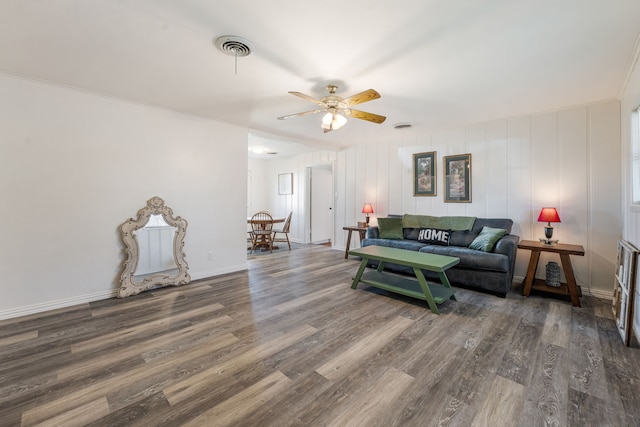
column 480, row 223
column 434, row 236
column 472, row 259
column 462, row 238
column 410, row 245
column 487, row 239
column 390, row 228
column 410, row 233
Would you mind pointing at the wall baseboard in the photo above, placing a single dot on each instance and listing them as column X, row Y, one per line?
column 98, row 296
column 597, row 293
column 53, row 305
column 586, row 290
column 219, row 271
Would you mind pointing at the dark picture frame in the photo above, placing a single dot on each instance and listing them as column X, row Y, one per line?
column 424, row 174
column 285, row 183
column 457, row 178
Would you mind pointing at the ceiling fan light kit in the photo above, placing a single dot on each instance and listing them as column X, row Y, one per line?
column 336, row 108
column 333, row 121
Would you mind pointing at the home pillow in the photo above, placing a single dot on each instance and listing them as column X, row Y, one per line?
column 487, row 239
column 434, row 236
column 390, row 228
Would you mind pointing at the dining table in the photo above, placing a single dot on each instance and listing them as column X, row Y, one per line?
column 262, row 243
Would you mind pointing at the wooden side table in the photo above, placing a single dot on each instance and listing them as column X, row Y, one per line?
column 564, row 250
column 352, row 228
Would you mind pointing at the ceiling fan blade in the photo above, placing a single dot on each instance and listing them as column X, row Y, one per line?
column 359, row 98
column 301, row 114
column 365, row 116
column 308, row 98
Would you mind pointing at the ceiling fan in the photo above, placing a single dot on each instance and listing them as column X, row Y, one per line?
column 337, row 107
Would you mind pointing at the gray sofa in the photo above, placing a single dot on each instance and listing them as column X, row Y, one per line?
column 489, row 271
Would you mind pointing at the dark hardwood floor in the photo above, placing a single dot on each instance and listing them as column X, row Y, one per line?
column 289, row 343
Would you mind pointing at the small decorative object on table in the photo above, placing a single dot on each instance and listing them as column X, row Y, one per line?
column 553, row 274
column 548, row 215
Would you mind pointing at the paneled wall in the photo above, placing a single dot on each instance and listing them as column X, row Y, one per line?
column 569, row 159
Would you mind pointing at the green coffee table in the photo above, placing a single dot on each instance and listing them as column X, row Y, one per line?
column 432, row 293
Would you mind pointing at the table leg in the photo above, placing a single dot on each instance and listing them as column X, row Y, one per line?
column 356, row 279
column 531, row 272
column 425, row 290
column 572, row 286
column 346, row 251
column 445, row 282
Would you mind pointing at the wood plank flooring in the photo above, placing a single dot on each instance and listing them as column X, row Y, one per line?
column 289, row 343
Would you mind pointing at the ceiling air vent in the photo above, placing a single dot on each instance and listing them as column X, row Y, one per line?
column 234, row 45
column 402, row 125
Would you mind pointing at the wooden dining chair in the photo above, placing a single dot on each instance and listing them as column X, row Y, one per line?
column 284, row 230
column 249, row 237
column 262, row 230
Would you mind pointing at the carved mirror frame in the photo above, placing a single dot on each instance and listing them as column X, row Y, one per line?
column 129, row 286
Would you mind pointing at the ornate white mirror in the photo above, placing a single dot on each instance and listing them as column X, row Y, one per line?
column 154, row 244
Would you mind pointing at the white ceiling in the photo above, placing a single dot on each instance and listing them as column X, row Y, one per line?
column 437, row 64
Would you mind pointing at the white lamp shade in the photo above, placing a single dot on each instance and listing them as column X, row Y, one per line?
column 339, row 121
column 333, row 121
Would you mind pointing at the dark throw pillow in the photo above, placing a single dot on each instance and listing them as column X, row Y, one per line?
column 434, row 236
column 487, row 239
column 410, row 233
column 390, row 228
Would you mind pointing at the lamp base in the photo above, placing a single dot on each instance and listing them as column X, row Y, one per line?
column 549, row 242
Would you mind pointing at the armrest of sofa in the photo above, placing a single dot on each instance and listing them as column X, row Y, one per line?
column 508, row 245
column 373, row 232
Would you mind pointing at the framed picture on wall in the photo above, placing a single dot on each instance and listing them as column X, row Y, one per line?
column 285, row 183
column 457, row 178
column 424, row 174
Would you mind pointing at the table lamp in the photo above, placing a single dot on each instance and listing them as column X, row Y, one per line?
column 367, row 209
column 548, row 215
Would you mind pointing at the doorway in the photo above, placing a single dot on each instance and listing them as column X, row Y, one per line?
column 320, row 203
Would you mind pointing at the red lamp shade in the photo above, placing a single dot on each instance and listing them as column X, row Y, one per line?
column 367, row 208
column 549, row 215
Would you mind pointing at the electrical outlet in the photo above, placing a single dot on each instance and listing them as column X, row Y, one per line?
column 210, row 256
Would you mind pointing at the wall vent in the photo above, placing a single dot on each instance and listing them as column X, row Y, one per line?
column 234, row 46
column 402, row 125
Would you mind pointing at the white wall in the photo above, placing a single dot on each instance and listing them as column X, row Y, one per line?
column 258, row 197
column 568, row 159
column 74, row 166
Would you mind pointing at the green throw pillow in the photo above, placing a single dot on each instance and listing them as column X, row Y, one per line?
column 390, row 228
column 487, row 239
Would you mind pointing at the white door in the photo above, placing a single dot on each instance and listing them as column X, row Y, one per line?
column 321, row 209
column 249, row 210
